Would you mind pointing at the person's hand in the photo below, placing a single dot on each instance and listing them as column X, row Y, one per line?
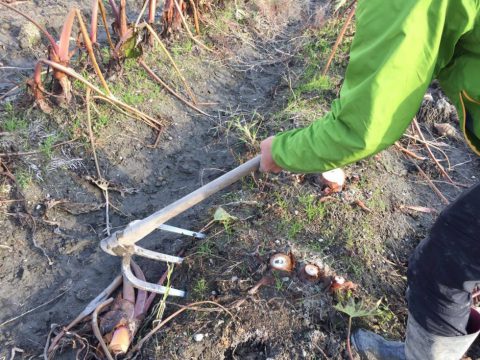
column 267, row 164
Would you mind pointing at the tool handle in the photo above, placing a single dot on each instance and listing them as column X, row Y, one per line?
column 138, row 229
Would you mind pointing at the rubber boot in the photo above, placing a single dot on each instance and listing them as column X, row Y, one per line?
column 421, row 345
column 371, row 346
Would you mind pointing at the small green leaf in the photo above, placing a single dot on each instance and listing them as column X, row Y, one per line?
column 222, row 216
column 359, row 309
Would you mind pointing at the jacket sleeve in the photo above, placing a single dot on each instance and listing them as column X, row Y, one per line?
column 392, row 61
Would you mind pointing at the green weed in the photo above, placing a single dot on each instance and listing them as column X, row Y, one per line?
column 12, row 122
column 201, row 287
column 23, row 178
column 47, row 145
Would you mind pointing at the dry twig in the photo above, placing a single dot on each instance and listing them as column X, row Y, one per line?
column 88, row 310
column 432, row 185
column 192, row 306
column 339, row 40
column 185, row 24
column 430, row 153
column 96, row 330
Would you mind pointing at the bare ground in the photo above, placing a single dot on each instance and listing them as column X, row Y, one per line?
column 258, row 81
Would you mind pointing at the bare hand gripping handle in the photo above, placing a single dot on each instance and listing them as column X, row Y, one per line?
column 138, row 229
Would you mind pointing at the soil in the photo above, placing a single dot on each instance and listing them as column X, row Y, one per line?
column 51, row 264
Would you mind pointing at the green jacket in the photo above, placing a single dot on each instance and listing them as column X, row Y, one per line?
column 400, row 46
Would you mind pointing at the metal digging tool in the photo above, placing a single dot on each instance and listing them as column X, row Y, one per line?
column 122, row 243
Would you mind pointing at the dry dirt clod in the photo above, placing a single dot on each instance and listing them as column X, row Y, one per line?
column 29, row 36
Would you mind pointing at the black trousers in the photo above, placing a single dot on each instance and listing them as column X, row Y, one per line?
column 445, row 268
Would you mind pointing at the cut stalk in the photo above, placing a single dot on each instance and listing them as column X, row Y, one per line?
column 89, row 47
column 152, row 4
column 90, row 133
column 169, row 89
column 64, row 43
column 185, row 24
column 141, row 13
column 123, row 26
column 94, row 22
column 195, row 16
column 338, row 41
column 103, row 12
column 170, row 58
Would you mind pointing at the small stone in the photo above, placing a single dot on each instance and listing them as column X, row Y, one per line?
column 198, row 337
column 29, row 36
column 234, row 278
column 285, row 279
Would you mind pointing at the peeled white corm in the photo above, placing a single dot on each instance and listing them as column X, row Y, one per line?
column 333, row 179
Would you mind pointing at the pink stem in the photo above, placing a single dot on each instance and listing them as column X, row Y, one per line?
column 141, row 294
column 37, row 75
column 123, row 18
column 114, row 6
column 128, row 291
column 65, row 36
column 93, row 24
column 151, row 11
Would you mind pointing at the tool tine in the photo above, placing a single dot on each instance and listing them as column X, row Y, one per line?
column 143, row 285
column 137, row 250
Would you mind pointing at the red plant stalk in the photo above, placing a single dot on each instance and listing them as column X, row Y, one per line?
column 151, row 11
column 94, row 22
column 114, row 7
column 134, row 307
column 123, row 26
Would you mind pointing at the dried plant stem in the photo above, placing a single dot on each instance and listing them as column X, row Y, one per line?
column 110, row 98
column 170, row 58
column 349, row 348
column 90, row 133
column 168, row 88
column 339, row 40
column 88, row 310
column 430, row 153
column 4, row 95
column 144, row 7
column 409, row 153
column 174, row 315
column 96, row 330
column 119, row 108
column 105, row 25
column 432, row 185
column 185, row 24
column 88, row 45
column 195, row 16
column 107, row 210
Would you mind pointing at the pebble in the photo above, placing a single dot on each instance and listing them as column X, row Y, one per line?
column 198, row 337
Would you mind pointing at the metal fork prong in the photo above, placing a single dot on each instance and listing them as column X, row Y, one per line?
column 143, row 285
column 137, row 250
